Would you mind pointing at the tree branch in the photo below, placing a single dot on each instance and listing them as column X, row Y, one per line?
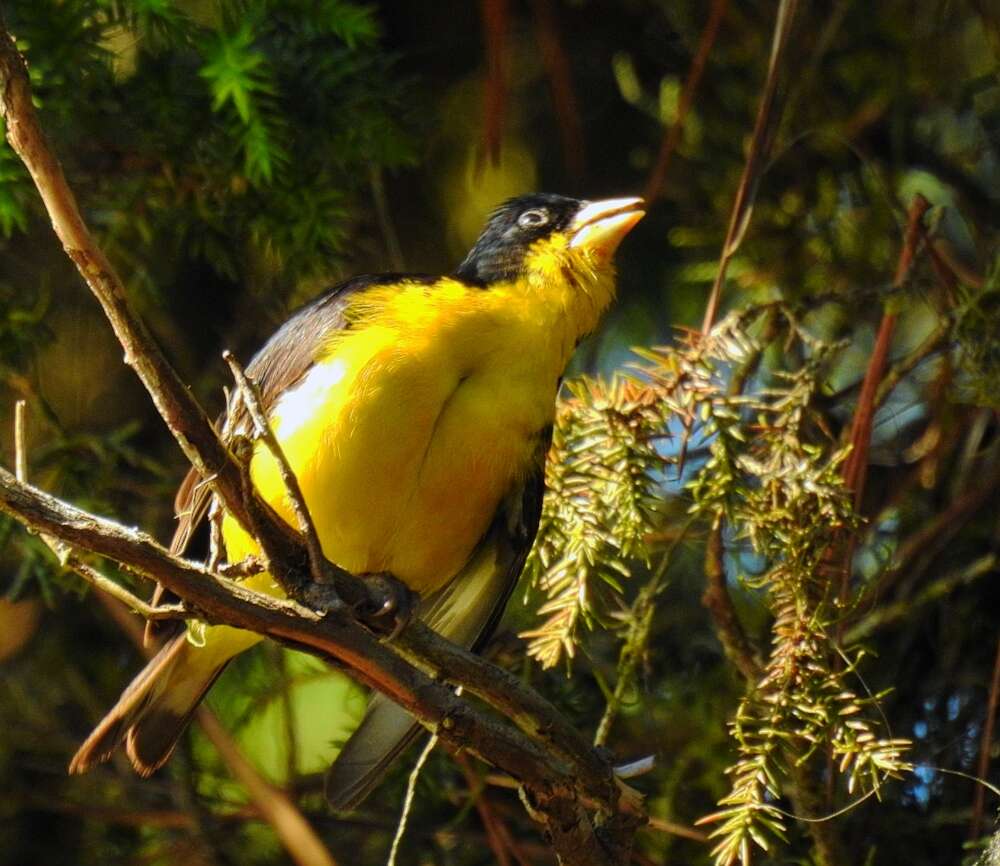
column 186, row 420
column 728, row 627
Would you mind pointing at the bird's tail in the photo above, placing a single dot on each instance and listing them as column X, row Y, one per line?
column 154, row 710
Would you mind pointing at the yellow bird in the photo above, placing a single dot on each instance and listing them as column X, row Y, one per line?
column 416, row 413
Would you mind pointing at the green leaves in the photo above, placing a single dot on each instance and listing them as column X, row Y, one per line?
column 237, row 72
column 240, row 77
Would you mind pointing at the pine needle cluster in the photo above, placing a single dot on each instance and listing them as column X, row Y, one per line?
column 784, row 496
column 600, row 505
column 772, row 481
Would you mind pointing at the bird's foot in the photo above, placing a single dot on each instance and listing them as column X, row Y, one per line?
column 391, row 604
column 322, row 597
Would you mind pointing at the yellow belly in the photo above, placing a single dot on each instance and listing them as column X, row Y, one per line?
column 404, row 445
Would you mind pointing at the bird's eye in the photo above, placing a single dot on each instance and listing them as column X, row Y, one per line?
column 533, row 219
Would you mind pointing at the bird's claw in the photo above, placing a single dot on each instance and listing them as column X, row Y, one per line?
column 390, row 602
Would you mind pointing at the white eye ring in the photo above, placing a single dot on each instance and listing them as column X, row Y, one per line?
column 532, row 219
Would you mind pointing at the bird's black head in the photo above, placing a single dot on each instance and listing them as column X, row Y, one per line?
column 499, row 253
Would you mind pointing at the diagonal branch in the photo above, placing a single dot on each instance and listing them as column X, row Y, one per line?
column 768, row 115
column 182, row 414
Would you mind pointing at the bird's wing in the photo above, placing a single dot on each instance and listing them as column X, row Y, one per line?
column 279, row 365
column 465, row 611
column 282, row 362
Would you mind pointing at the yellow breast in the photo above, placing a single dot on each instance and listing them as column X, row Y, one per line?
column 413, row 426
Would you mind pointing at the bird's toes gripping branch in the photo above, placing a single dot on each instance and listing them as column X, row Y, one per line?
column 386, row 607
column 390, row 605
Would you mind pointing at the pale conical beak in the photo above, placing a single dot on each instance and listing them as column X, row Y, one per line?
column 599, row 226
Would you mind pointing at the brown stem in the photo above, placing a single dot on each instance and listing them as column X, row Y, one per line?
column 557, row 69
column 672, row 137
column 495, row 25
column 985, row 746
column 290, row 825
column 927, row 540
column 855, row 467
column 807, row 799
column 904, row 366
column 491, row 824
column 728, row 628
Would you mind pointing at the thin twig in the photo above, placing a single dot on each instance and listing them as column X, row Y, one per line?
column 20, row 450
column 898, row 611
column 932, row 535
column 120, row 593
column 768, row 115
column 855, row 469
column 289, row 824
column 490, row 822
column 393, row 250
column 985, row 748
column 906, row 365
column 557, row 70
column 247, row 391
column 411, row 789
column 495, row 25
column 672, row 137
column 673, row 828
column 856, row 465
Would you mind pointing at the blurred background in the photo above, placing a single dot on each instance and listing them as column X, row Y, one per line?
column 237, row 157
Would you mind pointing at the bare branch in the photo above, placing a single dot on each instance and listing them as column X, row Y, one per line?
column 672, row 137
column 768, row 115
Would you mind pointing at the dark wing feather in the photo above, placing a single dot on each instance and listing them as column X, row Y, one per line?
column 466, row 611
